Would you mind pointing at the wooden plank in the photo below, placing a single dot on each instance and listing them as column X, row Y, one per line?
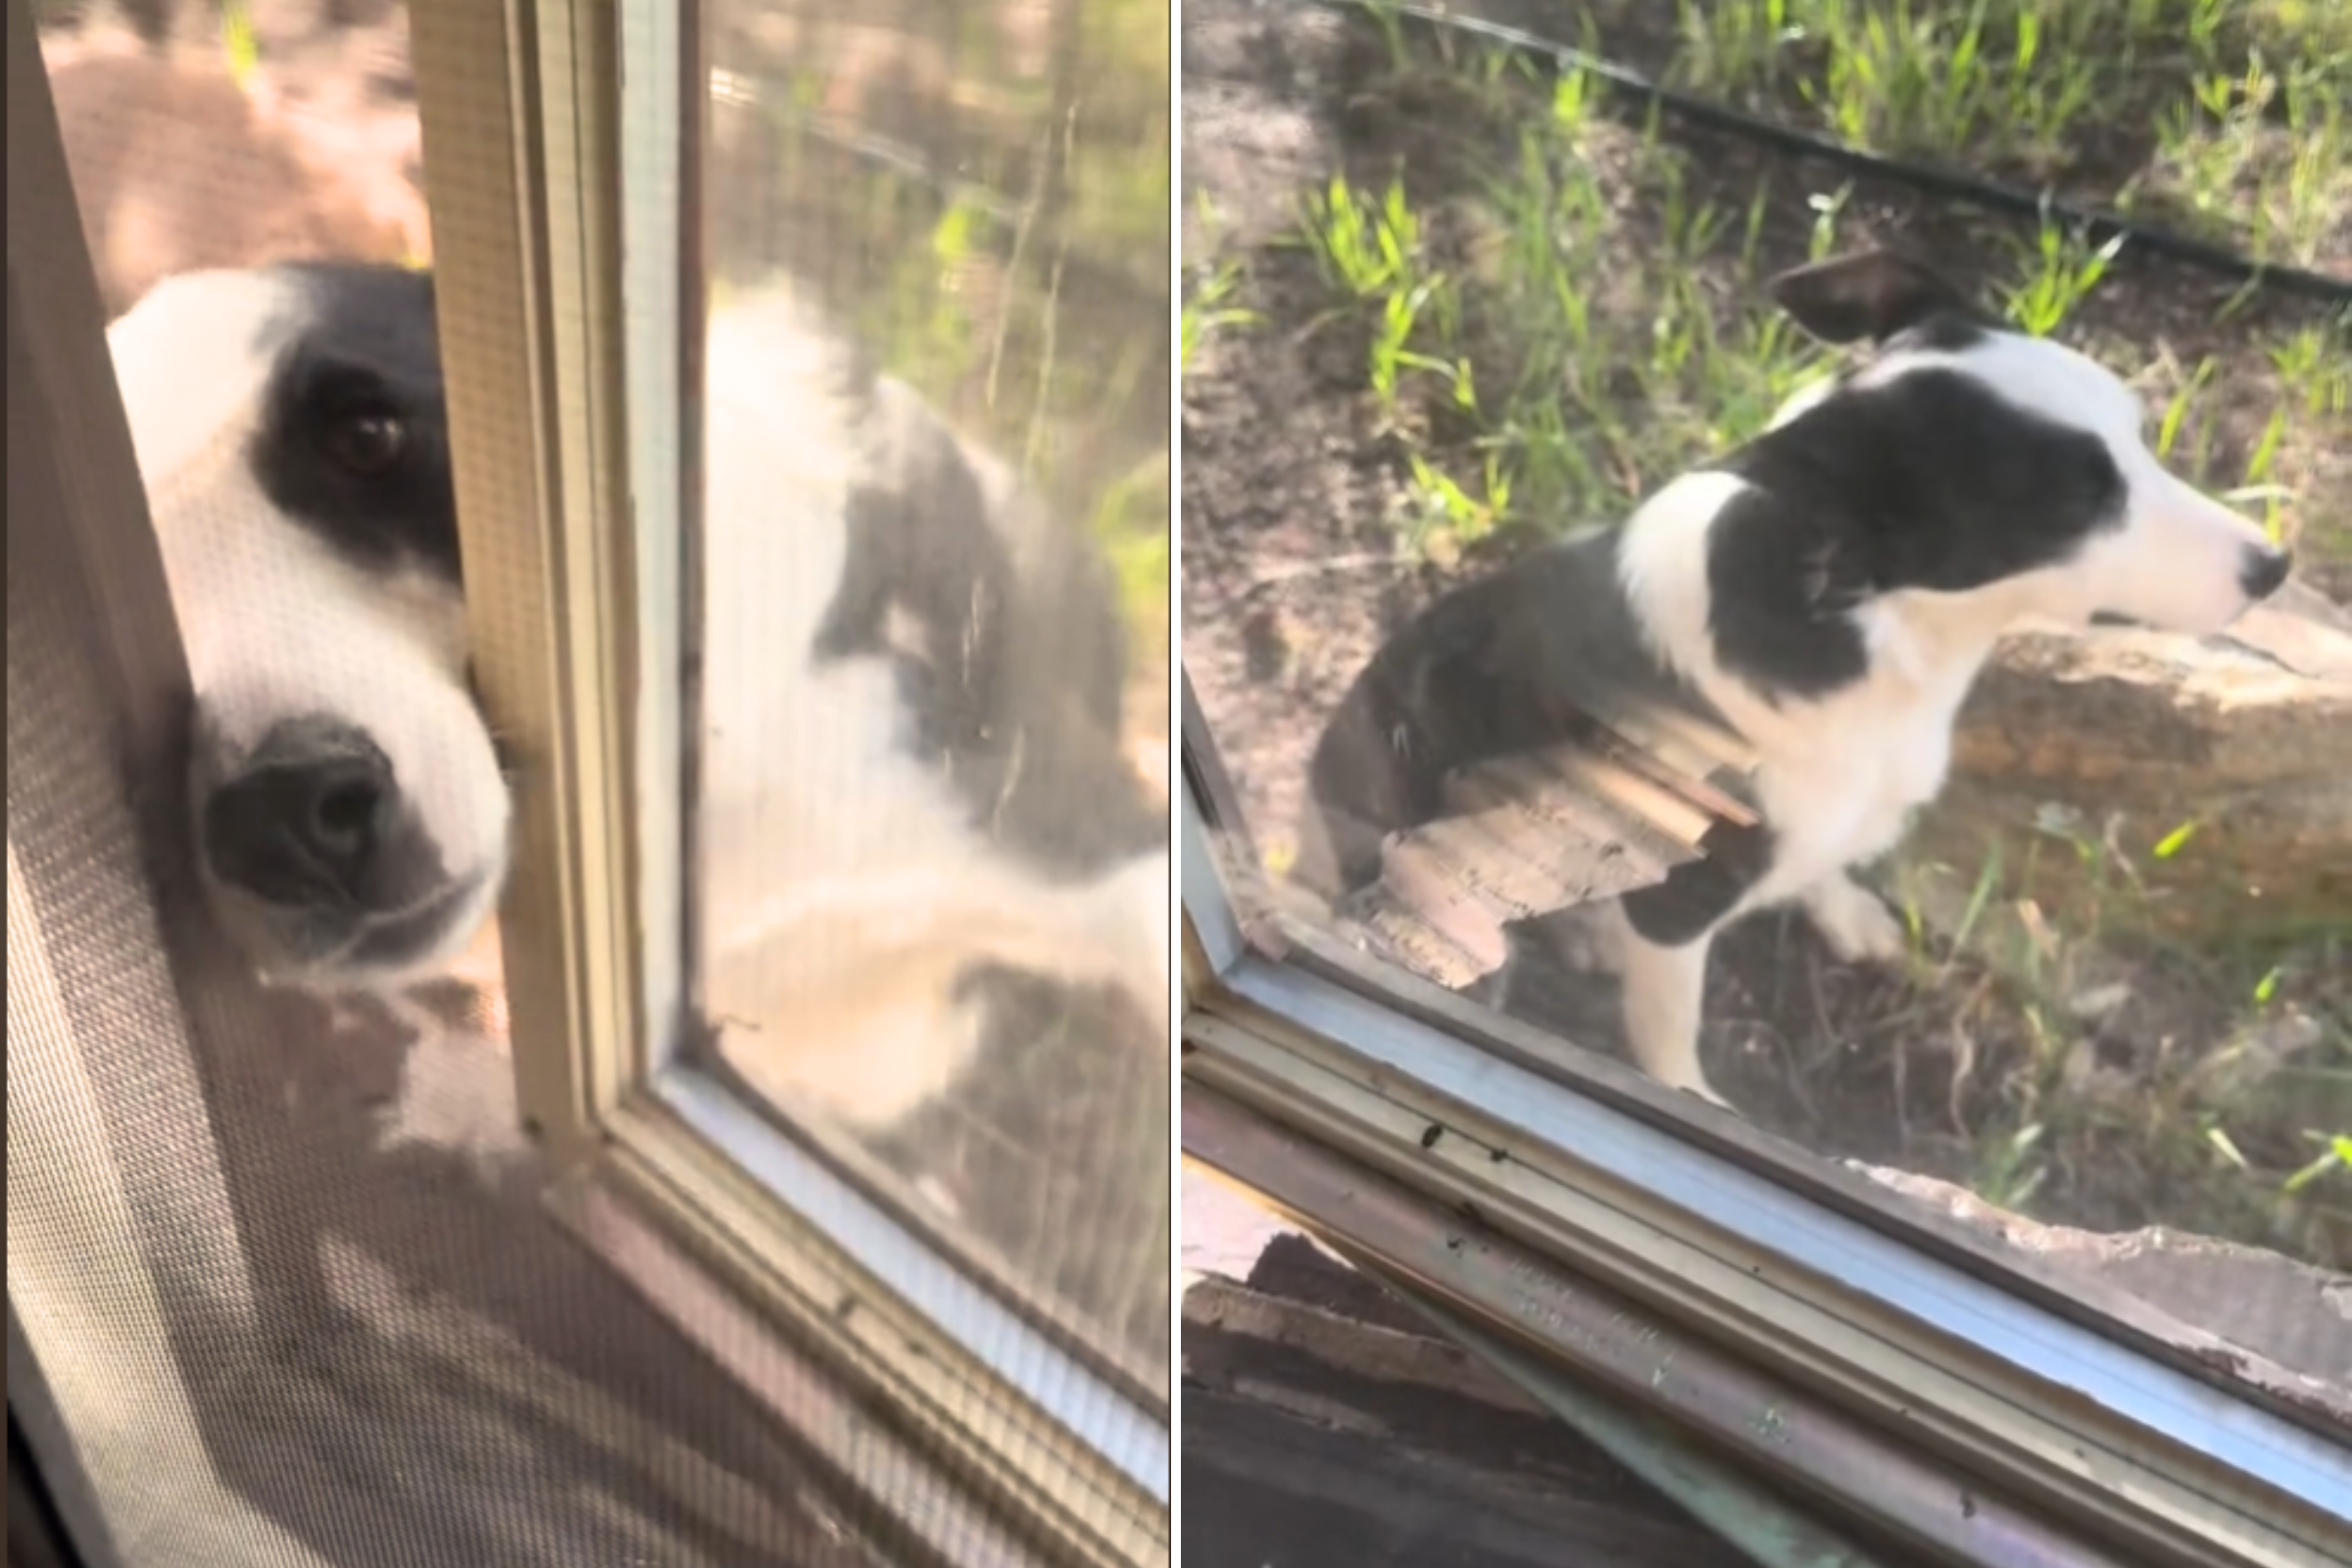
column 1689, row 782
column 1448, row 889
column 1536, row 833
column 1393, row 932
column 1416, row 880
column 1684, row 741
column 1570, row 851
column 1669, row 812
column 1313, row 1359
column 1514, row 871
column 1556, row 805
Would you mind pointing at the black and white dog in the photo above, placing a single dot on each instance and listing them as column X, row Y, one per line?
column 910, row 761
column 1828, row 592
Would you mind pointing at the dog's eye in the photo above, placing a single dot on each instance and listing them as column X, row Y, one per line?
column 369, row 442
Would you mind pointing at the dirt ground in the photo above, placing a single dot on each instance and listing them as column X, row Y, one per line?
column 1291, row 574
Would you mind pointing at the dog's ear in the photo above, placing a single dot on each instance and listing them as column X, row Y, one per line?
column 1871, row 294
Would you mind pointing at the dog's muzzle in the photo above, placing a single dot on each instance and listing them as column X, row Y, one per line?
column 313, row 831
column 2262, row 570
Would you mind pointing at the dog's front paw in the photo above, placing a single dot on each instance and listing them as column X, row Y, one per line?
column 1855, row 924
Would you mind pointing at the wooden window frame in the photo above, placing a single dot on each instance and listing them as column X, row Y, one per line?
column 1937, row 1344
column 563, row 285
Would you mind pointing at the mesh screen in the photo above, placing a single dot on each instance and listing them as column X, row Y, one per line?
column 287, row 1266
column 278, row 1328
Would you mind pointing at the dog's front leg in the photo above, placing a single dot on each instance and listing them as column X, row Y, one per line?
column 1853, row 922
column 1664, row 990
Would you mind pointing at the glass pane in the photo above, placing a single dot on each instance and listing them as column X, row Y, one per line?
column 1539, row 631
column 931, row 880
column 286, row 1270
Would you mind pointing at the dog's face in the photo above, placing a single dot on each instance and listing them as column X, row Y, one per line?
column 1965, row 459
column 351, row 815
column 910, row 666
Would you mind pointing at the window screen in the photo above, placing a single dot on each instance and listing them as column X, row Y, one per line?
column 281, row 1323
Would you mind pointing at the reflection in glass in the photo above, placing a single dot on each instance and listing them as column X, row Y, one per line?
column 931, row 871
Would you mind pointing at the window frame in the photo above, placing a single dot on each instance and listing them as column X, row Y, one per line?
column 556, row 336
column 1602, row 1173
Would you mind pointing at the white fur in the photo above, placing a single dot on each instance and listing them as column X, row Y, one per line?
column 274, row 622
column 1840, row 776
column 844, row 892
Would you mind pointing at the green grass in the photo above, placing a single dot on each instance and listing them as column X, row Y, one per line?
column 1209, row 309
column 970, row 295
column 1130, row 523
column 1518, row 390
column 1545, row 338
column 2259, row 154
column 237, row 41
column 2224, row 1109
column 2231, row 116
column 2054, row 273
column 1519, row 395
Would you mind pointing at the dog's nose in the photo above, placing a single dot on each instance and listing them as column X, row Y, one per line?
column 2263, row 571
column 306, row 825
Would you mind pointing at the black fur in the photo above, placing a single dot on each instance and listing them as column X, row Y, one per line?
column 1013, row 683
column 1932, row 481
column 1878, row 295
column 1697, row 893
column 925, row 550
column 1783, row 581
column 365, row 350
column 1504, row 665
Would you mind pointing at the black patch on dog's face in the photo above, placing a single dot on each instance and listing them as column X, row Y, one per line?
column 354, row 442
column 998, row 689
column 925, row 585
column 1782, row 586
column 1931, row 481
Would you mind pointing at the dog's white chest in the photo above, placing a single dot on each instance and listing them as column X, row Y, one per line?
column 1848, row 796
